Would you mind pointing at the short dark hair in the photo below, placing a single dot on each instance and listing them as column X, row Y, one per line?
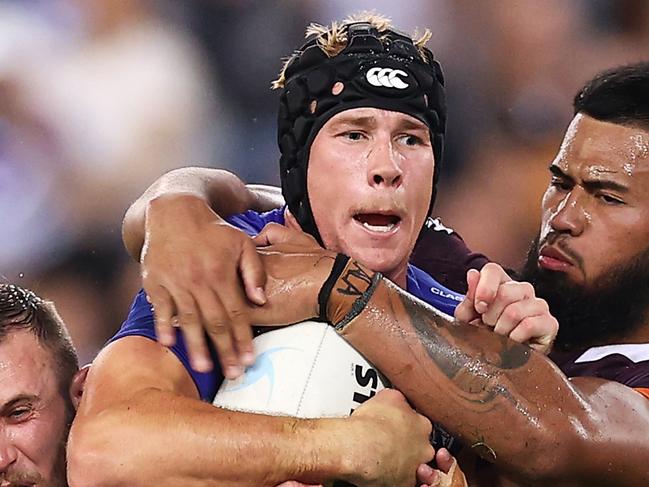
column 21, row 309
column 619, row 95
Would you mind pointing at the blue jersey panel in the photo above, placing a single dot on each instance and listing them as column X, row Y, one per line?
column 252, row 222
column 140, row 323
column 429, row 290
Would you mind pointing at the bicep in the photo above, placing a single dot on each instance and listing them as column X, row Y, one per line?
column 130, row 366
column 267, row 197
column 615, row 431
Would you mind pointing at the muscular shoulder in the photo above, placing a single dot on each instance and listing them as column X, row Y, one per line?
column 133, row 364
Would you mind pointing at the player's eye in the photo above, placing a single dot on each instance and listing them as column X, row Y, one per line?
column 353, row 135
column 610, row 199
column 20, row 414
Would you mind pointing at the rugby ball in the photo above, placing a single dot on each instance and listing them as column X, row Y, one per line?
column 304, row 370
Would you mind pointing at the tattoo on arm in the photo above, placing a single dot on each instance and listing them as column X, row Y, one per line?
column 466, row 355
column 356, row 280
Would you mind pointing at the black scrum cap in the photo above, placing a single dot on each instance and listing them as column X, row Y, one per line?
column 379, row 70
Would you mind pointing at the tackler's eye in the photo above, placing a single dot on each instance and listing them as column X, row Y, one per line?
column 312, row 106
column 337, row 88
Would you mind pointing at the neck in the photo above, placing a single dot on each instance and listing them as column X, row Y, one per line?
column 399, row 277
column 640, row 335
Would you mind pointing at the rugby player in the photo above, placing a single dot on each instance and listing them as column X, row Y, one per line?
column 40, row 389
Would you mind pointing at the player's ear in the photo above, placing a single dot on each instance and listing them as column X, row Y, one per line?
column 78, row 384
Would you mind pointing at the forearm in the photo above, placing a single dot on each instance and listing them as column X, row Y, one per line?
column 217, row 189
column 504, row 400
column 160, row 438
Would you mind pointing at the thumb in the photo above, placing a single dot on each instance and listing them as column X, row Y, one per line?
column 272, row 234
column 253, row 275
column 465, row 311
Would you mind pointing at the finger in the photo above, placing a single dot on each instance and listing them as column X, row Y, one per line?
column 216, row 324
column 272, row 234
column 465, row 311
column 444, row 460
column 491, row 277
column 237, row 319
column 507, row 294
column 188, row 317
column 295, row 483
column 427, row 474
column 517, row 311
column 538, row 332
column 253, row 275
column 163, row 310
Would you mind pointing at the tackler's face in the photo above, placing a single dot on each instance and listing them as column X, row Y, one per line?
column 369, row 182
column 596, row 208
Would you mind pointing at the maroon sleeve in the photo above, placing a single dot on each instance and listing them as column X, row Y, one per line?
column 443, row 254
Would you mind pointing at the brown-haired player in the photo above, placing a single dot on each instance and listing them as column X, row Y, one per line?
column 40, row 388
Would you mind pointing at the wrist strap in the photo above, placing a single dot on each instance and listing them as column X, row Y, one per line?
column 359, row 305
column 325, row 291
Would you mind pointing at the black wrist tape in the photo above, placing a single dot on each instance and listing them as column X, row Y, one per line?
column 325, row 291
column 359, row 305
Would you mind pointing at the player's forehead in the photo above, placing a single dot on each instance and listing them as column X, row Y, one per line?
column 597, row 150
column 371, row 117
column 26, row 368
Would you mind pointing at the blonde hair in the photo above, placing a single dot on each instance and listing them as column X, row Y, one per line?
column 332, row 39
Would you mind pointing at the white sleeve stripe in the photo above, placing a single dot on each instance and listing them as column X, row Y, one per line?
column 636, row 352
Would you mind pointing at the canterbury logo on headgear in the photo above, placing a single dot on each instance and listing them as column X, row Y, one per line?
column 387, row 77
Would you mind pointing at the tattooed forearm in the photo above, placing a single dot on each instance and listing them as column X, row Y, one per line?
column 499, row 352
column 511, row 405
column 482, row 387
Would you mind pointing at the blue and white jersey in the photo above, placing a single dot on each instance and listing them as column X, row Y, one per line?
column 140, row 321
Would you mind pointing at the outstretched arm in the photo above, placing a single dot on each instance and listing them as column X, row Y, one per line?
column 510, row 404
column 140, row 423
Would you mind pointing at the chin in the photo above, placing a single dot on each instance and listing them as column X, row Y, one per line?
column 383, row 262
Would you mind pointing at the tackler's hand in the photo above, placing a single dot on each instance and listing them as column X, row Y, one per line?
column 204, row 276
column 511, row 308
column 393, row 441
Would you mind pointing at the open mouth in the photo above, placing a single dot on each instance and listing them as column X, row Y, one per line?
column 378, row 222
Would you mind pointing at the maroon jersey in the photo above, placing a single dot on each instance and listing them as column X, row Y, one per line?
column 441, row 253
column 627, row 364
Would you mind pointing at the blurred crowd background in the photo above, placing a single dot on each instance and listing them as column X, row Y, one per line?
column 99, row 97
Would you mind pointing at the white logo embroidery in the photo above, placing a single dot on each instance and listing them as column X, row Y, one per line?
column 387, row 77
column 437, row 225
